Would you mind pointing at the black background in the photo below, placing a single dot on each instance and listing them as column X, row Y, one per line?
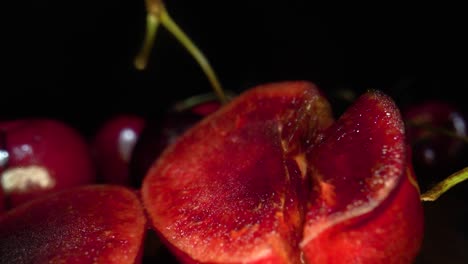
column 73, row 60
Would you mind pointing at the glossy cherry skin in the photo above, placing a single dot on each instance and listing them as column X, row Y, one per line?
column 42, row 155
column 113, row 146
column 436, row 154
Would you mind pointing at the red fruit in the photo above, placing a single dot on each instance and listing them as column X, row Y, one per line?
column 425, row 121
column 434, row 130
column 249, row 183
column 42, row 156
column 113, row 147
column 90, row 224
column 365, row 200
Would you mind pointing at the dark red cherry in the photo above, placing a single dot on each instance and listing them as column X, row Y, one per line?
column 437, row 132
column 113, row 145
column 38, row 156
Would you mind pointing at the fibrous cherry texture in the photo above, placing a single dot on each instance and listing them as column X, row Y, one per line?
column 88, row 224
column 272, row 178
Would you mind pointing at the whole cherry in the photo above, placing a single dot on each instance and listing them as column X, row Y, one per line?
column 113, row 145
column 38, row 156
column 437, row 133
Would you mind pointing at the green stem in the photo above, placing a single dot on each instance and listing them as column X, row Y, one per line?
column 152, row 24
column 445, row 185
column 167, row 21
column 157, row 13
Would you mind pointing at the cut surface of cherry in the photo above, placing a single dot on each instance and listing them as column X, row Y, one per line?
column 40, row 156
column 113, row 146
column 249, row 183
column 89, row 224
column 365, row 199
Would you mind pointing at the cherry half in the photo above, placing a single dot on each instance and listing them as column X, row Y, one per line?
column 272, row 178
column 86, row 224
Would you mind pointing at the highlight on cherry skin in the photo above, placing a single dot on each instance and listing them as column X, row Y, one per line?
column 112, row 147
column 38, row 156
column 437, row 132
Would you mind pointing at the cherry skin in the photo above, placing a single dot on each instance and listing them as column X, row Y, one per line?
column 113, row 145
column 41, row 156
column 436, row 131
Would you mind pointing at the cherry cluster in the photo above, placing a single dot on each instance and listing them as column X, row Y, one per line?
column 266, row 176
column 58, row 188
column 39, row 155
column 42, row 157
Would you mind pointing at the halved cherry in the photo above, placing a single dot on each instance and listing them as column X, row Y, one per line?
column 91, row 224
column 249, row 183
column 364, row 204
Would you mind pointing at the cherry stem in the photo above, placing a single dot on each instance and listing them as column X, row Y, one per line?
column 445, row 185
column 152, row 24
column 159, row 14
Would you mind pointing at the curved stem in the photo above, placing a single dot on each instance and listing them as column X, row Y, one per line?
column 180, row 35
column 445, row 185
column 157, row 13
column 152, row 24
